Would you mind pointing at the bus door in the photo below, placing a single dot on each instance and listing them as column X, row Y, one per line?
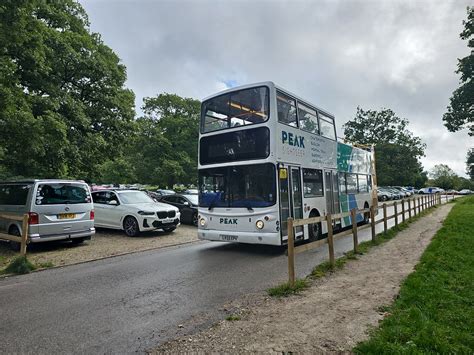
column 332, row 194
column 291, row 200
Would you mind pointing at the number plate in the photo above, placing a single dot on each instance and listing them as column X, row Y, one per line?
column 66, row 216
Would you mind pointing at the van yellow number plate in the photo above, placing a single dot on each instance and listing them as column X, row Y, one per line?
column 66, row 216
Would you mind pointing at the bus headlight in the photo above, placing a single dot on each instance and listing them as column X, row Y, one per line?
column 202, row 222
column 259, row 224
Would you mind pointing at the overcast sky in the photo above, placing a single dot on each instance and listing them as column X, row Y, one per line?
column 336, row 54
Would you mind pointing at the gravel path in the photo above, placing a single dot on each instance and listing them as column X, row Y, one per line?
column 105, row 243
column 334, row 314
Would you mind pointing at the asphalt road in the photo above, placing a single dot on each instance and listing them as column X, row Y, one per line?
column 132, row 303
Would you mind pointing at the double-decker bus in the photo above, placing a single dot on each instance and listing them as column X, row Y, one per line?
column 266, row 155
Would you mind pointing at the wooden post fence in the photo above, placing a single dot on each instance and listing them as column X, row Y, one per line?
column 354, row 230
column 403, row 211
column 332, row 260
column 395, row 213
column 372, row 221
column 291, row 253
column 21, row 239
column 409, row 208
column 384, row 217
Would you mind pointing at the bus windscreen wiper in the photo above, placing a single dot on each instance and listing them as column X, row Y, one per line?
column 211, row 206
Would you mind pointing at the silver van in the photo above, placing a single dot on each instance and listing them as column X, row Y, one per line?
column 57, row 209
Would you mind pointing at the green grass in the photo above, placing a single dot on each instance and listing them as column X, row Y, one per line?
column 233, row 318
column 45, row 265
column 285, row 290
column 434, row 312
column 19, row 265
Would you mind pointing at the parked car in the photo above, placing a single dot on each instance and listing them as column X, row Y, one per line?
column 191, row 192
column 465, row 192
column 395, row 194
column 384, row 194
column 401, row 191
column 163, row 192
column 430, row 190
column 57, row 210
column 133, row 212
column 187, row 204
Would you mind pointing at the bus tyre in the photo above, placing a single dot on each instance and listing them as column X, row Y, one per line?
column 314, row 229
column 366, row 215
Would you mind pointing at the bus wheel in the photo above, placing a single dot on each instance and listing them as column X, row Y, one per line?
column 314, row 228
column 366, row 214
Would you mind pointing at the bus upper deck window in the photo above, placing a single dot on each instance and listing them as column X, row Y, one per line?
column 286, row 107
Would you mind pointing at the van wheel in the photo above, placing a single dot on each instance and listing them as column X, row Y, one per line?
column 76, row 241
column 14, row 245
column 130, row 226
column 314, row 229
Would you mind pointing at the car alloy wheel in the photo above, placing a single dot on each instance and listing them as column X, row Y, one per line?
column 130, row 226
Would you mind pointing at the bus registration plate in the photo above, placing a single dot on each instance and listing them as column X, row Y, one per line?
column 228, row 237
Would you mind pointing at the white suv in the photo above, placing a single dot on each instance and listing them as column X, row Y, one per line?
column 133, row 212
column 431, row 190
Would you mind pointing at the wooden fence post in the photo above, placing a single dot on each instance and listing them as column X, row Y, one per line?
column 403, row 211
column 354, row 230
column 395, row 210
column 24, row 235
column 372, row 221
column 291, row 253
column 409, row 208
column 414, row 206
column 419, row 204
column 332, row 261
column 384, row 217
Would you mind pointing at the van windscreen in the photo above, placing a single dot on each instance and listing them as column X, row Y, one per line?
column 62, row 193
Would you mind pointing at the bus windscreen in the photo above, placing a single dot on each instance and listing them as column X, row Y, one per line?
column 246, row 186
column 237, row 108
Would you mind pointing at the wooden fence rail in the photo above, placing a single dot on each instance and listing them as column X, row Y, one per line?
column 416, row 205
column 23, row 238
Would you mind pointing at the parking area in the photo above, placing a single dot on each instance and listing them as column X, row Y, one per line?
column 105, row 243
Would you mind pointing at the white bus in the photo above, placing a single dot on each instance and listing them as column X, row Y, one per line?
column 266, row 155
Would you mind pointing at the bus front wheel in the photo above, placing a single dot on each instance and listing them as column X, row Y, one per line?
column 314, row 229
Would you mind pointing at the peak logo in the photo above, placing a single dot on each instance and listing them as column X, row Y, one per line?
column 292, row 139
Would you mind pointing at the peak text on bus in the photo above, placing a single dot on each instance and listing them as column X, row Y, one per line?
column 292, row 139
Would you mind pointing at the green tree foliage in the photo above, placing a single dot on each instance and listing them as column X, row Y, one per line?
column 397, row 151
column 63, row 106
column 443, row 176
column 460, row 112
column 470, row 163
column 166, row 143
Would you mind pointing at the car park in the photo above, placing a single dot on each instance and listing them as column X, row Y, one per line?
column 430, row 190
column 384, row 195
column 133, row 212
column 187, row 204
column 56, row 209
column 465, row 192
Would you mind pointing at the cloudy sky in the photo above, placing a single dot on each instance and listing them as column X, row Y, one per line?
column 336, row 54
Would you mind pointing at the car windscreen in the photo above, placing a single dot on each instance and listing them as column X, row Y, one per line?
column 62, row 193
column 193, row 198
column 238, row 186
column 133, row 197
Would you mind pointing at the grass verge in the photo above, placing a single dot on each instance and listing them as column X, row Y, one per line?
column 233, row 318
column 434, row 312
column 19, row 265
column 285, row 290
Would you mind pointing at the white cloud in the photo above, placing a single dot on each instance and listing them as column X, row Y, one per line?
column 336, row 54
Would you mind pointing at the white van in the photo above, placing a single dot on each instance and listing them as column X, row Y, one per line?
column 57, row 209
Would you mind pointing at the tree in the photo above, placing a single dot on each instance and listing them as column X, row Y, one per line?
column 460, row 113
column 167, row 140
column 63, row 107
column 443, row 176
column 397, row 150
column 470, row 163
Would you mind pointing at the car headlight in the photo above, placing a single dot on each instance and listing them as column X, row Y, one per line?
column 146, row 213
column 259, row 224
